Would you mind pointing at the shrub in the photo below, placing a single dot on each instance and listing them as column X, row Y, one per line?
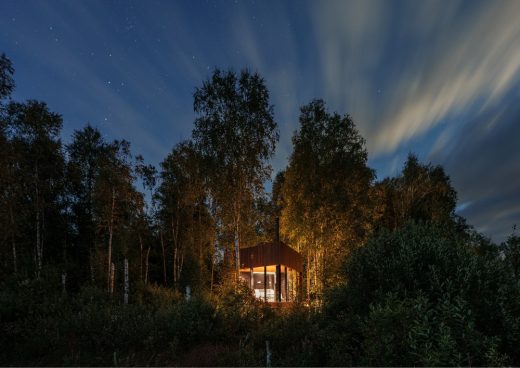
column 425, row 297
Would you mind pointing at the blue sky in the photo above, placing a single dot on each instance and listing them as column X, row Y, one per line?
column 438, row 78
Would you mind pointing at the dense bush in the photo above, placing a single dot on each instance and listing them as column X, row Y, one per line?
column 427, row 297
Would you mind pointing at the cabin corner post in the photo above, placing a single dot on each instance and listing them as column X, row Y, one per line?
column 286, row 285
column 278, row 283
column 265, row 283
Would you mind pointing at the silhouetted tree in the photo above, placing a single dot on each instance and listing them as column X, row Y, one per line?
column 34, row 132
column 421, row 192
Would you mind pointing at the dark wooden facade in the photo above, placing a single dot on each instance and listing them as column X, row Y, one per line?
column 271, row 253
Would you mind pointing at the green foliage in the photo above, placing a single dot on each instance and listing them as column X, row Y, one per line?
column 237, row 304
column 292, row 336
column 323, row 194
column 421, row 193
column 425, row 297
column 236, row 134
column 414, row 331
column 6, row 77
column 511, row 251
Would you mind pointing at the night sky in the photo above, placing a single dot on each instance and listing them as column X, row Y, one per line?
column 439, row 78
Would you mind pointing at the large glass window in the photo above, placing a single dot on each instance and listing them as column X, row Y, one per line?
column 258, row 282
column 255, row 280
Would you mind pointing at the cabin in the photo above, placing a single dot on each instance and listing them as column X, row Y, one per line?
column 273, row 270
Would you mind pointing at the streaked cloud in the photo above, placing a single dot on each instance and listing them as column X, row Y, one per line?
column 428, row 62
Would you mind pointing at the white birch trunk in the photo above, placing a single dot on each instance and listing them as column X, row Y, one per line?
column 38, row 235
column 64, row 282
column 175, row 234
column 237, row 242
column 112, row 278
column 141, row 257
column 163, row 257
column 267, row 354
column 13, row 242
column 127, row 283
column 91, row 260
column 110, row 234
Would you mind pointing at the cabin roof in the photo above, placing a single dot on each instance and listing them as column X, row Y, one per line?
column 270, row 253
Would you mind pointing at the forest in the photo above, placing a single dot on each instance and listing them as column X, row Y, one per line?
column 108, row 260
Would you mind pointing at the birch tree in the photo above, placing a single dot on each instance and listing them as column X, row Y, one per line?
column 324, row 193
column 9, row 194
column 145, row 221
column 183, row 216
column 236, row 133
column 34, row 131
column 113, row 196
column 85, row 156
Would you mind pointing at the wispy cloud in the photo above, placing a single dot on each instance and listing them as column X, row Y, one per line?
column 428, row 62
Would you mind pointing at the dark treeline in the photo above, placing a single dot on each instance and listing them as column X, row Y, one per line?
column 98, row 249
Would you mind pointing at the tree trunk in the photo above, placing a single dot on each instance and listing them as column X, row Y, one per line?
column 112, row 278
column 127, row 283
column 200, row 237
column 316, row 286
column 140, row 257
column 180, row 266
column 308, row 274
column 38, row 230
column 91, row 260
column 13, row 241
column 175, row 234
column 146, row 266
column 267, row 354
column 163, row 257
column 212, row 271
column 64, row 282
column 237, row 241
column 110, row 235
column 237, row 248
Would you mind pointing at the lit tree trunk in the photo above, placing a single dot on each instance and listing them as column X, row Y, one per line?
column 201, row 260
column 127, row 283
column 174, row 266
column 201, row 245
column 315, row 261
column 237, row 247
column 163, row 257
column 110, row 235
column 212, row 270
column 308, row 275
column 175, row 235
column 237, row 239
